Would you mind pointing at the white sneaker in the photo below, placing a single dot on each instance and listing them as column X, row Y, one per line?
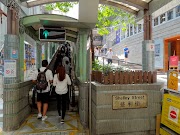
column 39, row 116
column 62, row 121
column 44, row 118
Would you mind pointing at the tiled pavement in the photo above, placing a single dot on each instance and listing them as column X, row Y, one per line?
column 51, row 126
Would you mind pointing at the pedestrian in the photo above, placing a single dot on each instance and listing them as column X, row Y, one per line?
column 96, row 53
column 66, row 64
column 43, row 95
column 109, row 55
column 61, row 80
column 126, row 52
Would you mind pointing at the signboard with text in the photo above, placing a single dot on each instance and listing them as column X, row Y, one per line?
column 150, row 47
column 129, row 101
column 170, row 112
column 10, row 68
column 14, row 54
column 173, row 61
column 52, row 34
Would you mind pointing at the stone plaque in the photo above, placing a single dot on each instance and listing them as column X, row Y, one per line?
column 129, row 101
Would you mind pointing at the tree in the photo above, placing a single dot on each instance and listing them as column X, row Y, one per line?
column 108, row 16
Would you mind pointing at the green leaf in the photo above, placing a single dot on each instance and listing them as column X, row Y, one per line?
column 108, row 16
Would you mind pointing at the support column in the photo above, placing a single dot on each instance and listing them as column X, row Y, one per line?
column 148, row 59
column 39, row 55
column 21, row 55
column 46, row 51
column 49, row 52
column 77, row 57
column 83, row 54
column 15, row 101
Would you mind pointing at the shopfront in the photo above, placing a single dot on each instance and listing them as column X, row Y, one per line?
column 171, row 47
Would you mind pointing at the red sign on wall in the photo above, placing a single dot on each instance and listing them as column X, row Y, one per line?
column 173, row 61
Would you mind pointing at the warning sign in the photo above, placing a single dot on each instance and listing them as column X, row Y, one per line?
column 170, row 112
column 173, row 114
column 9, row 68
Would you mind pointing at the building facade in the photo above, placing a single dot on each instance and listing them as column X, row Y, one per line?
column 165, row 33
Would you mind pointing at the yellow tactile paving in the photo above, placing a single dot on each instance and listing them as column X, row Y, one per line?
column 32, row 125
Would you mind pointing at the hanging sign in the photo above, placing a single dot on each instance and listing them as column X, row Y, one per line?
column 10, row 68
column 173, row 61
column 173, row 80
column 14, row 54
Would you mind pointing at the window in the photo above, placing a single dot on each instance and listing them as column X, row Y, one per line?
column 131, row 30
column 139, row 28
column 135, row 29
column 178, row 11
column 162, row 18
column 156, row 22
column 122, row 35
column 170, row 14
column 128, row 31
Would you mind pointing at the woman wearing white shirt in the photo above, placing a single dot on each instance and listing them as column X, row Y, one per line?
column 61, row 80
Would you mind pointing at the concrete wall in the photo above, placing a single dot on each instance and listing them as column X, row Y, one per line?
column 140, row 121
column 16, row 106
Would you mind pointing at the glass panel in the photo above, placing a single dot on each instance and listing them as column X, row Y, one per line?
column 122, row 35
column 170, row 14
column 178, row 11
column 139, row 28
column 131, row 30
column 156, row 21
column 135, row 29
column 128, row 31
column 162, row 18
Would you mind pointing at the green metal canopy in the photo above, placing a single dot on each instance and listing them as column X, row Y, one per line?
column 71, row 25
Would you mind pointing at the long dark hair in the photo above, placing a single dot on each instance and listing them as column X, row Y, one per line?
column 61, row 72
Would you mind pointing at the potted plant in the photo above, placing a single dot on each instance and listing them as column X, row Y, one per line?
column 106, row 71
column 96, row 71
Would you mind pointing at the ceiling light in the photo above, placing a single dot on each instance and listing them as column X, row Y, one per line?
column 31, row 0
column 178, row 39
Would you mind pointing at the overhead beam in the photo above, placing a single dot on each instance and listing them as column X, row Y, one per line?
column 42, row 2
column 71, row 32
column 135, row 3
column 88, row 11
column 111, row 3
column 5, row 2
column 71, row 38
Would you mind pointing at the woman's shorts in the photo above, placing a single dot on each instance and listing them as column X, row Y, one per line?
column 43, row 97
column 126, row 55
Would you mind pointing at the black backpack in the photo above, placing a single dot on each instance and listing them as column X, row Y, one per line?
column 41, row 80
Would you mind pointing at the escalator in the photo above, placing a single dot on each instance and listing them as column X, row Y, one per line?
column 55, row 61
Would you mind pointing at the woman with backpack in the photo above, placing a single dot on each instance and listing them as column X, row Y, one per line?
column 61, row 80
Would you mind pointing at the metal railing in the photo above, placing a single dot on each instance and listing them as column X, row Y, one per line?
column 120, row 62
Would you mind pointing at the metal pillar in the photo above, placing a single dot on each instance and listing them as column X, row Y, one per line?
column 83, row 54
column 148, row 59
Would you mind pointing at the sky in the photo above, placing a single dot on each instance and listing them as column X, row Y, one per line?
column 74, row 12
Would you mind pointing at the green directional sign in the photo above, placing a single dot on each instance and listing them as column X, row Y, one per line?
column 52, row 34
column 46, row 34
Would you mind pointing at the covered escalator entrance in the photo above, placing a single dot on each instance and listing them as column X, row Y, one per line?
column 77, row 40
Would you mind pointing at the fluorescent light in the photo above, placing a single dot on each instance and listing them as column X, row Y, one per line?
column 178, row 39
column 31, row 0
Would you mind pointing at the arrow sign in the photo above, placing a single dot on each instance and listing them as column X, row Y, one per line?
column 46, row 34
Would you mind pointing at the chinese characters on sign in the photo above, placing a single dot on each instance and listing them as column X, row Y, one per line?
column 129, row 101
column 9, row 68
